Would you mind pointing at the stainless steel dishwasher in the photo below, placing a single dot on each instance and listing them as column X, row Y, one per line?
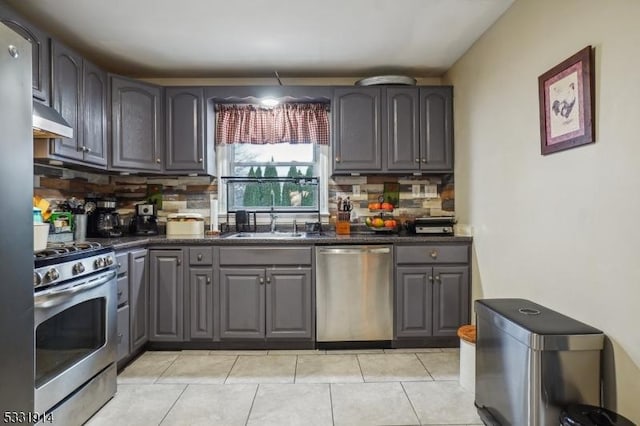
column 354, row 293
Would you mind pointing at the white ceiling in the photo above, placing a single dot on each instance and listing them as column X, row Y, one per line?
column 252, row 38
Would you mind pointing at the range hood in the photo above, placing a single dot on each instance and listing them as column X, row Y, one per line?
column 48, row 123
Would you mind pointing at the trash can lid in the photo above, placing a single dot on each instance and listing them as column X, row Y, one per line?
column 589, row 415
column 467, row 333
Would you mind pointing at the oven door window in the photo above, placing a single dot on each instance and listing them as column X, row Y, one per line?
column 68, row 337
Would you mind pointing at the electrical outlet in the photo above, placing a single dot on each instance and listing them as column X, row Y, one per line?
column 415, row 190
column 431, row 191
column 356, row 190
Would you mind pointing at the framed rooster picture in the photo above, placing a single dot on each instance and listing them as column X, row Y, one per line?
column 567, row 104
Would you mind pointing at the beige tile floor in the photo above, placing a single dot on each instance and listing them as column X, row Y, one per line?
column 315, row 387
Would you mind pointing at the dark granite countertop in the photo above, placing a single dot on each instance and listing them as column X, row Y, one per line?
column 127, row 242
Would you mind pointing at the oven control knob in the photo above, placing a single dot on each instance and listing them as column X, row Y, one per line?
column 100, row 262
column 108, row 260
column 37, row 278
column 78, row 268
column 52, row 274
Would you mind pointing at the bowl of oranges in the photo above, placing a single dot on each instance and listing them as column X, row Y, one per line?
column 380, row 224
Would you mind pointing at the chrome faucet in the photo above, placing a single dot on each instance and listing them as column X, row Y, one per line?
column 272, row 215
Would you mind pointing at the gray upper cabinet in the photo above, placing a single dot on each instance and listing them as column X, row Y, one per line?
column 39, row 51
column 67, row 79
column 288, row 303
column 184, row 136
column 95, row 114
column 357, row 132
column 138, row 298
column 201, row 303
column 402, row 129
column 242, row 309
column 136, row 125
column 166, row 295
column 436, row 128
column 393, row 130
column 450, row 299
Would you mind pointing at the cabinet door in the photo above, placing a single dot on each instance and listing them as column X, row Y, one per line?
column 414, row 296
column 122, row 337
column 136, row 127
column 436, row 128
column 402, row 135
column 241, row 303
column 166, row 285
column 67, row 98
column 184, row 135
column 357, row 141
column 201, row 303
column 138, row 299
column 451, row 304
column 288, row 307
column 40, row 75
column 95, row 115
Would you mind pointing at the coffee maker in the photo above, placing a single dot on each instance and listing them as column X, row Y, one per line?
column 145, row 221
column 103, row 220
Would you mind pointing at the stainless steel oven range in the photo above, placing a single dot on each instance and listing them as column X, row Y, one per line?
column 75, row 330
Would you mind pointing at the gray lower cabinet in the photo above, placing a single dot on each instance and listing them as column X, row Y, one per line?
column 242, row 308
column 270, row 298
column 274, row 303
column 166, row 295
column 288, row 303
column 136, row 125
column 122, row 337
column 432, row 290
column 201, row 303
column 138, row 298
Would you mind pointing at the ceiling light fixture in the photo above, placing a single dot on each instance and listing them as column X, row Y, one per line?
column 270, row 102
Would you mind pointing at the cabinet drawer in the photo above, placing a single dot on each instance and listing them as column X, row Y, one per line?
column 432, row 254
column 265, row 255
column 122, row 336
column 200, row 256
column 123, row 290
column 122, row 263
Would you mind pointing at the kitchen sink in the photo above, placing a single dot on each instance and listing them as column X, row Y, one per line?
column 268, row 235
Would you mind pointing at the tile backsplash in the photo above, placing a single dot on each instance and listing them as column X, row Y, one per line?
column 194, row 194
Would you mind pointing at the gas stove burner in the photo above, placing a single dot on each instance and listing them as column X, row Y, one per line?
column 58, row 249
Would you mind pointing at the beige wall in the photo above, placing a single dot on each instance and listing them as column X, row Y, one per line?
column 563, row 229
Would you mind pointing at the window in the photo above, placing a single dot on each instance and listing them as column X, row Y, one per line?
column 289, row 140
column 273, row 160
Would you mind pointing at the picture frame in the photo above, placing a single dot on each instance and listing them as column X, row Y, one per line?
column 566, row 97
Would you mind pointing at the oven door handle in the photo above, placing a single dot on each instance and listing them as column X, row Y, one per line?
column 56, row 297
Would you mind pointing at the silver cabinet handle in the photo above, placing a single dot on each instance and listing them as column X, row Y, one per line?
column 337, row 159
column 179, row 262
column 430, row 278
column 120, row 336
column 158, row 160
column 199, row 160
column 437, row 277
column 200, row 256
column 417, row 160
column 119, row 265
column 208, row 280
column 268, row 280
column 424, row 160
column 434, row 254
column 261, row 280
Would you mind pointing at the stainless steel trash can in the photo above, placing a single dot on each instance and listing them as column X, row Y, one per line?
column 531, row 362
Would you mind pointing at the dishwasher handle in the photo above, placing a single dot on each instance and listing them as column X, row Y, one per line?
column 364, row 250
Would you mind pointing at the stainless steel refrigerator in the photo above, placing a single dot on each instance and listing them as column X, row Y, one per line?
column 16, row 227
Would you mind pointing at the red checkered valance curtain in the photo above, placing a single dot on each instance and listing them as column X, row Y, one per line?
column 285, row 123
